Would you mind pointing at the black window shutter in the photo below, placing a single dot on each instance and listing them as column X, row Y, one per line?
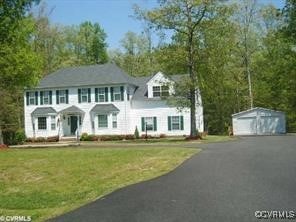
column 89, row 95
column 111, row 91
column 143, row 124
column 27, row 97
column 106, row 94
column 182, row 122
column 50, row 97
column 96, row 95
column 122, row 91
column 79, row 95
column 57, row 97
column 127, row 93
column 36, row 98
column 67, row 96
column 155, row 123
column 169, row 123
column 41, row 97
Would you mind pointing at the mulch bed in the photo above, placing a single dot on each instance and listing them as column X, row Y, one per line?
column 3, row 147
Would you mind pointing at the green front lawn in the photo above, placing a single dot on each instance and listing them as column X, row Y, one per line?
column 43, row 183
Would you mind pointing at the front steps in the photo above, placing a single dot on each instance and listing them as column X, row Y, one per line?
column 68, row 139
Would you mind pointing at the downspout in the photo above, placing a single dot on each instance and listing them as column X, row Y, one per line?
column 125, row 101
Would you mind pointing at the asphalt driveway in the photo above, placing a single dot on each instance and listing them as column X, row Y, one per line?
column 225, row 182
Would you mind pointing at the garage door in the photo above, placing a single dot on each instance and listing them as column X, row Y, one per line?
column 269, row 125
column 246, row 126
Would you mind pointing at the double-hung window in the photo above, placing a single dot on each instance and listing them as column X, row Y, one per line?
column 46, row 97
column 156, row 91
column 32, row 98
column 164, row 91
column 114, row 120
column 103, row 121
column 101, row 94
column 42, row 124
column 175, row 123
column 116, row 93
column 84, row 95
column 149, row 124
column 53, row 122
column 62, row 96
column 159, row 91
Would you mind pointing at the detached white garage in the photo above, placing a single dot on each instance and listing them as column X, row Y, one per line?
column 259, row 121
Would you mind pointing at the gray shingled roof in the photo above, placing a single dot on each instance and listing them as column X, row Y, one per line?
column 43, row 111
column 104, row 108
column 142, row 92
column 86, row 76
column 72, row 109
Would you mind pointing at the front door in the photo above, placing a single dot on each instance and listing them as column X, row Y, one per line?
column 73, row 121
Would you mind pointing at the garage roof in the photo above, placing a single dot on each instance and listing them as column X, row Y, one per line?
column 255, row 109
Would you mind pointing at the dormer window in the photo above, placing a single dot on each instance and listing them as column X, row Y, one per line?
column 156, row 91
column 164, row 91
column 160, row 91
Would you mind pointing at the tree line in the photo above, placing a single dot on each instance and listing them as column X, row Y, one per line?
column 238, row 55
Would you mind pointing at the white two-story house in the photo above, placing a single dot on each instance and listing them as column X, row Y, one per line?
column 104, row 100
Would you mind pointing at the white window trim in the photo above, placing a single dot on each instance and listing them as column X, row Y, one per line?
column 160, row 91
column 116, row 91
column 152, row 123
column 114, row 120
column 156, row 91
column 53, row 121
column 179, row 122
column 62, row 95
column 84, row 93
column 101, row 92
column 102, row 127
column 32, row 97
column 46, row 97
column 45, row 123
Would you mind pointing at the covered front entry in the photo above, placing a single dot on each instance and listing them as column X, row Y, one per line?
column 71, row 121
column 73, row 124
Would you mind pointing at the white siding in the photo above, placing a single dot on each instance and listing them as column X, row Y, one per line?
column 128, row 117
column 158, row 80
column 259, row 121
column 86, row 107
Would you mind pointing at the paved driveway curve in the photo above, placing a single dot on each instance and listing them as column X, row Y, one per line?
column 225, row 182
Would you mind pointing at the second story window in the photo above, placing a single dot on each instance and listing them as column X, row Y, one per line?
column 156, row 91
column 117, row 93
column 101, row 94
column 45, row 97
column 62, row 96
column 164, row 91
column 84, row 95
column 159, row 91
column 32, row 98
